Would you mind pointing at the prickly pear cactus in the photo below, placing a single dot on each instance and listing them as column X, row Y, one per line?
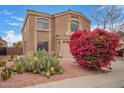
column 40, row 62
column 6, row 73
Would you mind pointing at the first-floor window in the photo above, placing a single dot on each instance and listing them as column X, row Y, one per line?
column 42, row 45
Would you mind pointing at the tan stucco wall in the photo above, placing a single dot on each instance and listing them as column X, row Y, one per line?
column 61, row 24
column 28, row 35
column 45, row 35
column 84, row 22
column 52, row 34
column 31, row 31
column 57, row 34
column 32, row 36
column 42, row 36
column 63, row 27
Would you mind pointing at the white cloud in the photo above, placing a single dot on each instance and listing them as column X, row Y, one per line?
column 13, row 24
column 93, row 27
column 102, row 7
column 11, row 37
column 14, row 21
column 17, row 18
column 5, row 12
column 121, row 7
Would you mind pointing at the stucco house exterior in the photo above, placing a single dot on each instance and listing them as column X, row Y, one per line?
column 51, row 31
column 3, row 43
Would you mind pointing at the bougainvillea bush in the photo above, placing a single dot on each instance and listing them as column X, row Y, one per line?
column 94, row 49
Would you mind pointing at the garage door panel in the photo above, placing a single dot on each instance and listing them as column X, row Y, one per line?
column 66, row 51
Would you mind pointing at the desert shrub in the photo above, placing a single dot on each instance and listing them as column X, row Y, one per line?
column 2, row 63
column 6, row 73
column 95, row 49
column 40, row 62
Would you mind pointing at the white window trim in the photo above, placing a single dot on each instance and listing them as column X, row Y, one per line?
column 49, row 23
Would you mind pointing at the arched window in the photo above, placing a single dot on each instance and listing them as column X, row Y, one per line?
column 74, row 25
column 42, row 23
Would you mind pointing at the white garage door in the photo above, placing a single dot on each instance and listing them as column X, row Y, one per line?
column 66, row 51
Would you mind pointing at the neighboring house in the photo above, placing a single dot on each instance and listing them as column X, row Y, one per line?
column 122, row 41
column 3, row 43
column 122, row 44
column 121, row 33
column 52, row 32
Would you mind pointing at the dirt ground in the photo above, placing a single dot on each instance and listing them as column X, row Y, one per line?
column 26, row 79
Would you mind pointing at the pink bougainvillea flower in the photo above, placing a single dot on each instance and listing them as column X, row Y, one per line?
column 94, row 49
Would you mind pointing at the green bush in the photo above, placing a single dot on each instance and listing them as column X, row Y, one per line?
column 40, row 62
column 2, row 63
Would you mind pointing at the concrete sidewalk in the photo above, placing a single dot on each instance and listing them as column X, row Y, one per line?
column 114, row 79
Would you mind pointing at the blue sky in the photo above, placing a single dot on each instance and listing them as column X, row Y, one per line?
column 12, row 17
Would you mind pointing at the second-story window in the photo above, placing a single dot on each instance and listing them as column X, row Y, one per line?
column 74, row 25
column 42, row 23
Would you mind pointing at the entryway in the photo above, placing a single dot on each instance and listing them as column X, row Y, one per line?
column 66, row 51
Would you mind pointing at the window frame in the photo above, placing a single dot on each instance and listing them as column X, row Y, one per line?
column 80, row 24
column 43, row 43
column 42, row 29
column 71, row 24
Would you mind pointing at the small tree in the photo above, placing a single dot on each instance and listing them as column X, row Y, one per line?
column 108, row 18
column 17, row 44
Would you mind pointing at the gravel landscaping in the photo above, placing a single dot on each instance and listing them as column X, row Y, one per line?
column 27, row 79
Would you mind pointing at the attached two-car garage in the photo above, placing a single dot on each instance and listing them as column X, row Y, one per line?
column 65, row 50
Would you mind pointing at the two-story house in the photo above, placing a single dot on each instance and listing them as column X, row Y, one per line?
column 51, row 32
